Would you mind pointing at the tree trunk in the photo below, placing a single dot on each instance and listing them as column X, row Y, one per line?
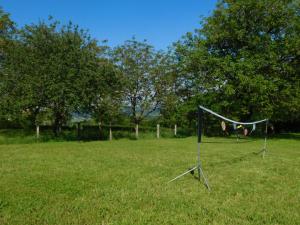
column 57, row 125
column 55, row 128
column 100, row 131
column 175, row 130
column 157, row 131
column 78, row 131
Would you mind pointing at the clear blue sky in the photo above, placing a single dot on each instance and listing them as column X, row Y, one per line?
column 161, row 22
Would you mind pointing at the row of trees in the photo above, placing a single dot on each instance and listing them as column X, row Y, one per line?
column 52, row 71
column 243, row 62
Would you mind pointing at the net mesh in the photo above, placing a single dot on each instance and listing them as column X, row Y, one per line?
column 218, row 125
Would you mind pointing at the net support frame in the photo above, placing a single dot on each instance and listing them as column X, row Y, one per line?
column 265, row 142
column 198, row 165
column 199, row 134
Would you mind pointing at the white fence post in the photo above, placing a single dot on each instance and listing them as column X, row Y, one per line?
column 136, row 131
column 110, row 132
column 37, row 131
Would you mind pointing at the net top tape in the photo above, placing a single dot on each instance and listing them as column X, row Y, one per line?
column 229, row 120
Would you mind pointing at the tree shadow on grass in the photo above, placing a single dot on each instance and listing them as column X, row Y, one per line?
column 236, row 160
column 241, row 141
column 294, row 136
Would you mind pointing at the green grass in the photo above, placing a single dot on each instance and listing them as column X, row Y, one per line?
column 125, row 182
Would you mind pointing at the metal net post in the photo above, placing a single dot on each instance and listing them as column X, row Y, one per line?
column 266, row 135
column 200, row 171
column 200, row 114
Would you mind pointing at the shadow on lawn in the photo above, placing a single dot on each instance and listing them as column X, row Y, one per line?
column 232, row 140
column 240, row 141
column 294, row 136
column 235, row 160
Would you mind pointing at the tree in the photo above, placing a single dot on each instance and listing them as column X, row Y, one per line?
column 183, row 86
column 7, row 30
column 140, row 66
column 246, row 58
column 171, row 87
column 54, row 69
column 106, row 98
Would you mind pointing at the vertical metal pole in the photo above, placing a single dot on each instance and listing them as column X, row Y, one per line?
column 266, row 134
column 236, row 131
column 199, row 140
column 199, row 162
column 200, row 124
column 198, row 166
column 200, row 113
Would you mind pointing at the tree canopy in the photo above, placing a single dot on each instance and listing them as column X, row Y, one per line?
column 246, row 56
column 141, row 69
column 242, row 61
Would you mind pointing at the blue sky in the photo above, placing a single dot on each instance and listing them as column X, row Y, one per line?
column 160, row 22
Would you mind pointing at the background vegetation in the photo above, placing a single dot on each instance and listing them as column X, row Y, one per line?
column 242, row 61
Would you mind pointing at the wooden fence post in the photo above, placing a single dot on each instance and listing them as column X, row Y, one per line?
column 110, row 132
column 37, row 131
column 136, row 131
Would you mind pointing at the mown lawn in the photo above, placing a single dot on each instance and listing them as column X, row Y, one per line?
column 125, row 182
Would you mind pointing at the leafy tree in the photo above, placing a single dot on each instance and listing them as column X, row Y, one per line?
column 245, row 58
column 171, row 90
column 54, row 69
column 7, row 30
column 106, row 99
column 183, row 87
column 141, row 67
column 7, row 84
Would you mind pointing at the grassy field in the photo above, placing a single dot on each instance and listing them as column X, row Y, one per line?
column 125, row 182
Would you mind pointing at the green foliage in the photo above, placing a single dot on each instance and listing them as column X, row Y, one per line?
column 107, row 95
column 243, row 62
column 141, row 68
column 7, row 29
column 6, row 32
column 57, row 69
column 246, row 56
